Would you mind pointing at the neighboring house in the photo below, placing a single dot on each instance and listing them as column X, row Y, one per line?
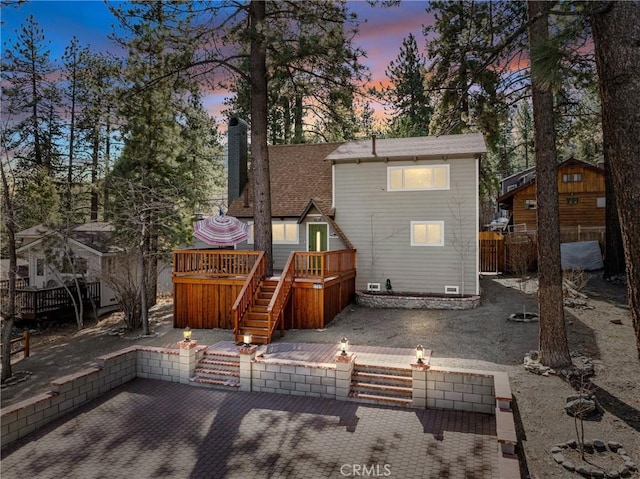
column 517, row 180
column 581, row 191
column 409, row 206
column 92, row 255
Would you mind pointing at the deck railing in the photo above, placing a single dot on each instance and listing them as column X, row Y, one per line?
column 245, row 297
column 30, row 304
column 324, row 264
column 281, row 295
column 222, row 263
column 21, row 283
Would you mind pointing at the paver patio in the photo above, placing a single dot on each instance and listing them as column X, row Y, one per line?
column 149, row 428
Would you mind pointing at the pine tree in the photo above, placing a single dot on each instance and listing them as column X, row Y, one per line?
column 30, row 102
column 616, row 33
column 406, row 97
column 554, row 350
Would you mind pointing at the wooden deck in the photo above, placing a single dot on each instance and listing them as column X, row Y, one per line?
column 207, row 283
column 39, row 303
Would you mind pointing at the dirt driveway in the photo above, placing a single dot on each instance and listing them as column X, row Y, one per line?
column 480, row 339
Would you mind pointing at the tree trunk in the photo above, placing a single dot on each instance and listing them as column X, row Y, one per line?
column 8, row 215
column 259, row 151
column 613, row 248
column 616, row 34
column 554, row 351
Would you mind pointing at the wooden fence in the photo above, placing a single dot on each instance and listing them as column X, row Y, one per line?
column 20, row 345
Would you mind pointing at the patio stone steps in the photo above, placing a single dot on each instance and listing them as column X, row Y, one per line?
column 219, row 370
column 383, row 385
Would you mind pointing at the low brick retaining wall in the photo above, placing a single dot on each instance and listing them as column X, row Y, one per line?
column 399, row 301
column 435, row 388
column 73, row 390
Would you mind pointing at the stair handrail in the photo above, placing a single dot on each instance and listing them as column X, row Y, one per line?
column 245, row 297
column 281, row 294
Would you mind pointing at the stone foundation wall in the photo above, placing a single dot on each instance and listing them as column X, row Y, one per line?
column 416, row 302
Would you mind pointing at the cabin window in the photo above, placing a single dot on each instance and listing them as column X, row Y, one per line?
column 412, row 178
column 530, row 204
column 572, row 177
column 427, row 233
column 601, row 202
column 281, row 233
column 39, row 267
column 572, row 200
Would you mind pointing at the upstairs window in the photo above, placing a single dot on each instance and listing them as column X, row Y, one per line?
column 530, row 204
column 572, row 177
column 413, row 178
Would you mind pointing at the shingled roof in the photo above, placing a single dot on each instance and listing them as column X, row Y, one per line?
column 299, row 173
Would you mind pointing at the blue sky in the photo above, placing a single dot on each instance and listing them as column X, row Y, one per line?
column 89, row 20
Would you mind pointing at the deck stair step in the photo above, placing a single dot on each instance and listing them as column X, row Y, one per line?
column 255, row 321
column 379, row 384
column 219, row 370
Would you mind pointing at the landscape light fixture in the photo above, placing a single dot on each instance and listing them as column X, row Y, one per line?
column 343, row 346
column 186, row 334
column 247, row 339
column 420, row 354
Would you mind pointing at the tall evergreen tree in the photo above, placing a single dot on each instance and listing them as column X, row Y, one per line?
column 616, row 32
column 406, row 97
column 30, row 99
column 554, row 351
column 154, row 185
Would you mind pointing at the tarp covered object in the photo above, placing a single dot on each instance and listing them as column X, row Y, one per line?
column 584, row 255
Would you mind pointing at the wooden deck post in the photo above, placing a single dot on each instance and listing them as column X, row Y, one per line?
column 25, row 343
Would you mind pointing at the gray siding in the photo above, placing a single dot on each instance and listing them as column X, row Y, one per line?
column 281, row 252
column 377, row 222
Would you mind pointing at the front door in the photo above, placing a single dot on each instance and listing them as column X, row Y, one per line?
column 318, row 237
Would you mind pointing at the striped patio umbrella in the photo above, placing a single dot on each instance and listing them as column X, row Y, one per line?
column 221, row 230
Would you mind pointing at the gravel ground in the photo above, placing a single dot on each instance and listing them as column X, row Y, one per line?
column 482, row 338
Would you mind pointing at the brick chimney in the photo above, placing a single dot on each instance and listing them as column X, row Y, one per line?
column 237, row 158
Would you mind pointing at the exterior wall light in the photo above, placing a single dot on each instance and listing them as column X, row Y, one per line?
column 343, row 346
column 186, row 334
column 420, row 354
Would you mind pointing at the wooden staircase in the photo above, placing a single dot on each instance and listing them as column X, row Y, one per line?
column 219, row 370
column 255, row 321
column 381, row 385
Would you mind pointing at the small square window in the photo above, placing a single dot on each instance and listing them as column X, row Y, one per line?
column 530, row 204
column 601, row 202
column 427, row 233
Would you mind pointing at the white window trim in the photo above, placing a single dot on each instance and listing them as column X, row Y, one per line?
column 392, row 168
column 294, row 223
column 440, row 243
column 250, row 239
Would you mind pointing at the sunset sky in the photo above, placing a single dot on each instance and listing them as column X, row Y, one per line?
column 380, row 36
